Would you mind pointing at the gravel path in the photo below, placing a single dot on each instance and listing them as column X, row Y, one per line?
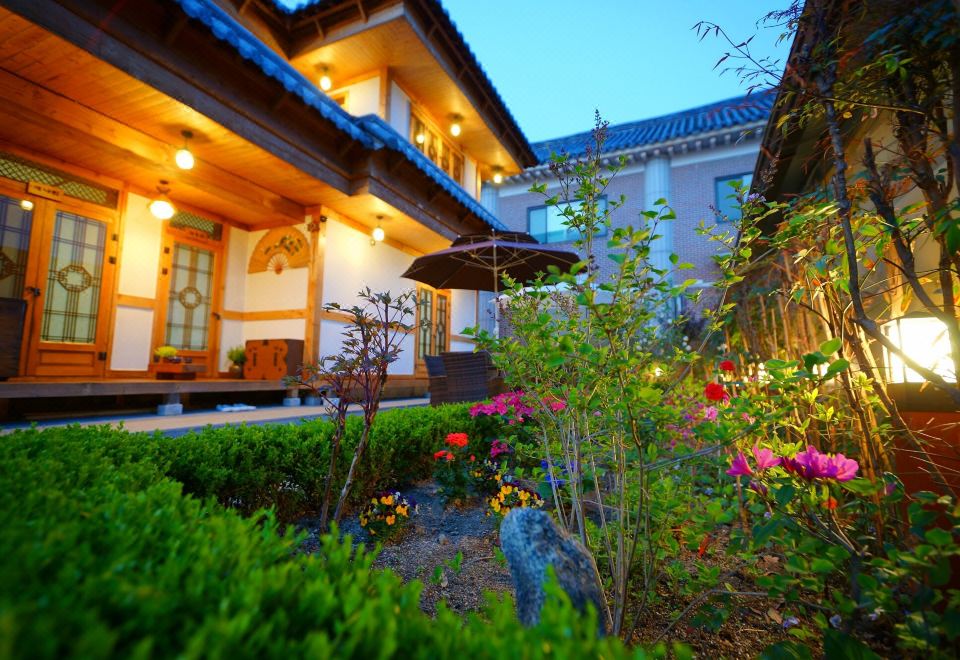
column 433, row 537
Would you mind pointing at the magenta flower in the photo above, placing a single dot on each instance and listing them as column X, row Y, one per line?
column 844, row 468
column 812, row 464
column 739, row 466
column 710, row 414
column 757, row 487
column 765, row 458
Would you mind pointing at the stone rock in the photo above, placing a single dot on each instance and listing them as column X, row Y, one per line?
column 443, row 540
column 531, row 541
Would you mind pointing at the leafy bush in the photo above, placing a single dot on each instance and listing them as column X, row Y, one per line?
column 103, row 556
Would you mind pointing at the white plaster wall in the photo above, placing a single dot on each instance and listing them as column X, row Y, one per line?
column 456, row 345
column 351, row 263
column 363, row 98
column 470, row 179
column 235, row 276
column 141, row 242
column 279, row 329
column 399, row 117
column 231, row 334
column 270, row 291
column 132, row 335
column 463, row 310
column 331, row 339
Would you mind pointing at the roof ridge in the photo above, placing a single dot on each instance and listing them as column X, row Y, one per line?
column 688, row 112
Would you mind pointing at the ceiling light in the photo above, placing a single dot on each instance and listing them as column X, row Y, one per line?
column 421, row 137
column 377, row 235
column 497, row 175
column 455, row 127
column 184, row 157
column 26, row 204
column 160, row 206
column 325, row 82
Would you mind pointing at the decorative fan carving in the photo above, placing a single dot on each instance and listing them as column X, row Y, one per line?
column 279, row 249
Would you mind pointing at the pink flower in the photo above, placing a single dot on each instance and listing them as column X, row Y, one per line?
column 499, row 447
column 765, row 458
column 812, row 464
column 710, row 414
column 739, row 466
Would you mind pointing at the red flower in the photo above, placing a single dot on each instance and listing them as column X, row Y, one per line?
column 457, row 439
column 440, row 454
column 727, row 365
column 715, row 392
column 831, row 503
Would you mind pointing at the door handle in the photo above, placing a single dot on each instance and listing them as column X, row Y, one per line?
column 35, row 290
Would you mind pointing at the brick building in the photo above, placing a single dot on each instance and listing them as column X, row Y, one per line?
column 688, row 158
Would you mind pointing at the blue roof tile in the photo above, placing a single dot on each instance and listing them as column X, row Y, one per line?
column 370, row 130
column 728, row 113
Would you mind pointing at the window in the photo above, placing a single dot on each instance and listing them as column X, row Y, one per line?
column 547, row 224
column 433, row 310
column 439, row 150
column 726, row 195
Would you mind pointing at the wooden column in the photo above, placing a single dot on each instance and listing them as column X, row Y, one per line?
column 317, row 228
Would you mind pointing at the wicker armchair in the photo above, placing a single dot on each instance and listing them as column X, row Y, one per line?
column 470, row 376
column 438, row 380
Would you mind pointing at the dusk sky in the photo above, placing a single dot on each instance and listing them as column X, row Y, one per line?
column 555, row 61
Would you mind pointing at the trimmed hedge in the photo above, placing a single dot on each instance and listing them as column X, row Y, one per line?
column 103, row 555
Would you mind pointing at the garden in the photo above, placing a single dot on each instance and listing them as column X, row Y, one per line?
column 733, row 467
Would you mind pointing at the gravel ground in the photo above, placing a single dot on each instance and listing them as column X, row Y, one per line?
column 433, row 537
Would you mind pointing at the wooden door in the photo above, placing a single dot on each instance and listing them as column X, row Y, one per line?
column 69, row 285
column 433, row 325
column 16, row 225
column 190, row 284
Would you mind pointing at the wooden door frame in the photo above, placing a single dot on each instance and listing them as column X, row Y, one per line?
column 41, row 238
column 169, row 237
column 419, row 365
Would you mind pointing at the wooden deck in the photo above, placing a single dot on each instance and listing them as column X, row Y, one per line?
column 46, row 388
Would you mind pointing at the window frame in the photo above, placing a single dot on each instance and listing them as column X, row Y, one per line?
column 568, row 237
column 724, row 200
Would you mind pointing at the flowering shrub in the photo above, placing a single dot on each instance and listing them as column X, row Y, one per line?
column 486, row 477
column 511, row 496
column 452, row 466
column 387, row 513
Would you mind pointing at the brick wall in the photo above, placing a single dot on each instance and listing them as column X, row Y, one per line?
column 692, row 193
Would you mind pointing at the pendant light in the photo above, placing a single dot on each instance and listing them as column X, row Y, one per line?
column 377, row 235
column 325, row 82
column 455, row 127
column 160, row 206
column 184, row 157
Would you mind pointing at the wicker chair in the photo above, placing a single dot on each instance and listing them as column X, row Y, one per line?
column 438, row 380
column 470, row 376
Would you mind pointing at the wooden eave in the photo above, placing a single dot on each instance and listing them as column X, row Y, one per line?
column 295, row 31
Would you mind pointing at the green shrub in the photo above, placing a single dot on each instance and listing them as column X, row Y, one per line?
column 102, row 555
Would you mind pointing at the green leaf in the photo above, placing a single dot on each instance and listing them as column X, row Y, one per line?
column 831, row 346
column 836, row 367
column 938, row 536
column 840, row 645
column 788, row 650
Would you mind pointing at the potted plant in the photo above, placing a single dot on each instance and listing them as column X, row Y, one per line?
column 237, row 356
column 168, row 365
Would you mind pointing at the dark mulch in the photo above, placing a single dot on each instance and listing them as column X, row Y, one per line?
column 437, row 533
column 433, row 537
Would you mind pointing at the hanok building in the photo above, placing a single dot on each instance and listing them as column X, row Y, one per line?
column 688, row 158
column 313, row 134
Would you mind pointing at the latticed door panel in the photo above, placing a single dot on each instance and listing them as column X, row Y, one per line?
column 15, row 225
column 425, row 327
column 74, row 280
column 190, row 303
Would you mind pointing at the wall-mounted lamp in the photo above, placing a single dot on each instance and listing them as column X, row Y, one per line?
column 455, row 127
column 924, row 339
column 160, row 206
column 184, row 156
column 498, row 175
column 377, row 235
column 325, row 82
column 26, row 204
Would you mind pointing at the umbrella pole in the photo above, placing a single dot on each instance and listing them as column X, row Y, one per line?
column 496, row 293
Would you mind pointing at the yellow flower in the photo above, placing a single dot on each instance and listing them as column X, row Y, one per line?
column 373, row 501
column 387, row 499
column 391, row 520
column 363, row 521
column 402, row 510
column 507, row 489
column 523, row 495
column 495, row 505
column 499, row 476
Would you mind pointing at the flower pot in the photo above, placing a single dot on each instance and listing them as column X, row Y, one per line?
column 236, row 370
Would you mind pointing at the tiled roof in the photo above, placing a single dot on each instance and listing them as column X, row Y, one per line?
column 729, row 113
column 370, row 130
column 391, row 139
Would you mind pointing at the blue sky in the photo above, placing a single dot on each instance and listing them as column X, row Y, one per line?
column 555, row 61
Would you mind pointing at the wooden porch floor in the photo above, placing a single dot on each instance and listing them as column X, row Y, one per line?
column 56, row 388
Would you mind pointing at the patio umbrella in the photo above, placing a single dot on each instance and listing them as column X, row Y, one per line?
column 478, row 261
